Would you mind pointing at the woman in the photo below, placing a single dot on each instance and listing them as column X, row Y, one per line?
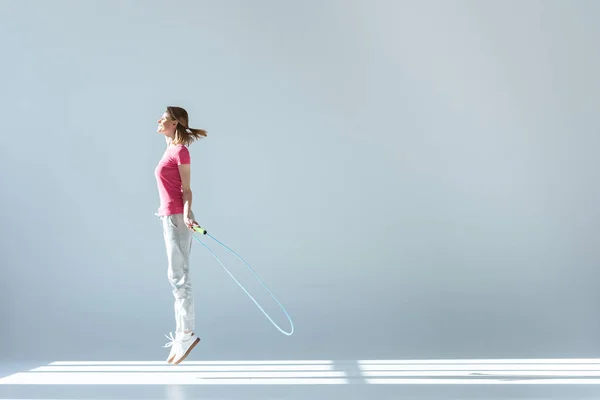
column 173, row 180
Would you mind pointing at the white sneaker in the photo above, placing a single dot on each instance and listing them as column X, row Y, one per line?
column 181, row 346
column 173, row 347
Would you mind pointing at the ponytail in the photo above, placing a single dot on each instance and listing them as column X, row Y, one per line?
column 183, row 133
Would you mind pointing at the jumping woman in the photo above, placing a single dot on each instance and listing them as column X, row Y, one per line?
column 173, row 180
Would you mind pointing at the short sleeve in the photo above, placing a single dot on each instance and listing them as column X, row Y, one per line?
column 182, row 155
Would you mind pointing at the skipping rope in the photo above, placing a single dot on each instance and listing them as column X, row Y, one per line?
column 204, row 232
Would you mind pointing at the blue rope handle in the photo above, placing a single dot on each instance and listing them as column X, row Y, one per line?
column 203, row 231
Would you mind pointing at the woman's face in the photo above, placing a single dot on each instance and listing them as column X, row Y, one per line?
column 166, row 126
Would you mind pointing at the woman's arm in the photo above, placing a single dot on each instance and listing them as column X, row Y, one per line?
column 184, row 172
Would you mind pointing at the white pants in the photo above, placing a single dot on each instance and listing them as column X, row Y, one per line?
column 178, row 242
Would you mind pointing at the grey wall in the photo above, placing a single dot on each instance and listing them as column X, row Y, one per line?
column 410, row 178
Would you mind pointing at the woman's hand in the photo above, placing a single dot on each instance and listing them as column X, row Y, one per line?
column 189, row 222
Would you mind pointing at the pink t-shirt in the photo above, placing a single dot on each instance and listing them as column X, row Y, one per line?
column 168, row 179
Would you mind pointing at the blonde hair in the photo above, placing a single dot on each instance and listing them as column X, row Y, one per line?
column 183, row 133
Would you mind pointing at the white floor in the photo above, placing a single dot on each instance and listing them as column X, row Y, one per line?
column 300, row 379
